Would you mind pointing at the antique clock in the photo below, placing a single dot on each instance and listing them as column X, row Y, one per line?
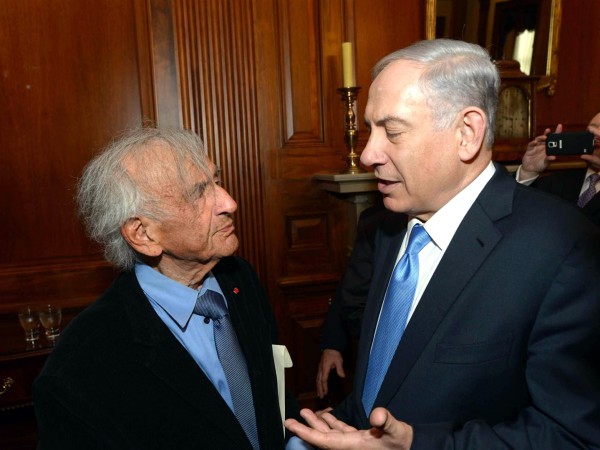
column 515, row 117
column 514, row 111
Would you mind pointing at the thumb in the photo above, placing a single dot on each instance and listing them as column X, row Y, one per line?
column 339, row 367
column 381, row 418
column 398, row 433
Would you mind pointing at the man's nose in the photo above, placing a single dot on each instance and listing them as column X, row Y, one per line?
column 225, row 201
column 370, row 155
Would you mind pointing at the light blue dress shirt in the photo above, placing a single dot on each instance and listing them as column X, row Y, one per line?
column 174, row 303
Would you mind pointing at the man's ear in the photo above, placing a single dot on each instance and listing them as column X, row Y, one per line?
column 472, row 132
column 136, row 232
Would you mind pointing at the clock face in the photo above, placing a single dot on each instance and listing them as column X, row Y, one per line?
column 512, row 117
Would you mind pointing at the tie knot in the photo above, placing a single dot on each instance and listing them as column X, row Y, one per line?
column 594, row 177
column 417, row 240
column 211, row 304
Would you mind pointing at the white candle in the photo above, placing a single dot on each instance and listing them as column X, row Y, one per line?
column 348, row 64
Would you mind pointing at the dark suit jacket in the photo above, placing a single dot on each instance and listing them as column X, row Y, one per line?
column 344, row 316
column 118, row 378
column 502, row 350
column 567, row 184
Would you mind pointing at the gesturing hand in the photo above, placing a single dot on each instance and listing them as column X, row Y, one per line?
column 325, row 431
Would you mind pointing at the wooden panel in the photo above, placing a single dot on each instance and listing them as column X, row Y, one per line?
column 306, row 226
column 72, row 282
column 381, row 30
column 307, row 231
column 217, row 81
column 577, row 97
column 157, row 63
column 298, row 59
column 301, row 72
column 64, row 92
column 69, row 83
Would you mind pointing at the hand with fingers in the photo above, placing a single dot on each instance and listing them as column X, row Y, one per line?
column 535, row 160
column 330, row 360
column 324, row 430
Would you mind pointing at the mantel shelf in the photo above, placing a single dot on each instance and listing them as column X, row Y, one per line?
column 357, row 190
column 347, row 183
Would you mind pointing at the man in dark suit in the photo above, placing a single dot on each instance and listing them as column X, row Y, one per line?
column 344, row 317
column 501, row 296
column 142, row 367
column 569, row 184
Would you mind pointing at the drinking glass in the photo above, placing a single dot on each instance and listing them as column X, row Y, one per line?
column 51, row 316
column 30, row 322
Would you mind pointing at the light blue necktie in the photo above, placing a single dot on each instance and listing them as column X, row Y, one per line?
column 590, row 192
column 394, row 314
column 212, row 305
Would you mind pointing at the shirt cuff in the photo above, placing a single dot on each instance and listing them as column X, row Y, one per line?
column 295, row 443
column 526, row 182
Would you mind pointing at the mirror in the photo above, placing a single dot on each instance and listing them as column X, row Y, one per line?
column 523, row 30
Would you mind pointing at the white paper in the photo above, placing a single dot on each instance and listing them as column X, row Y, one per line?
column 283, row 360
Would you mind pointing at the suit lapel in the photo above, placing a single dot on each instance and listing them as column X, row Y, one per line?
column 473, row 241
column 592, row 209
column 161, row 353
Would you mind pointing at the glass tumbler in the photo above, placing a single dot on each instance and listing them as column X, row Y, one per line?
column 51, row 316
column 30, row 323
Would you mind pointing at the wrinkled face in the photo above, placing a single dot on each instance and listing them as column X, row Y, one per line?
column 197, row 227
column 418, row 166
column 594, row 127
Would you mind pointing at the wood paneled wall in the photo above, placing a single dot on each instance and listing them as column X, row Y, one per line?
column 256, row 79
column 577, row 97
column 69, row 80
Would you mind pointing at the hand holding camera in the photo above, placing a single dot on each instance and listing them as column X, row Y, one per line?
column 570, row 143
column 535, row 160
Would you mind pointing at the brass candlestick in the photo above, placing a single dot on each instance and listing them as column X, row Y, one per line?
column 349, row 95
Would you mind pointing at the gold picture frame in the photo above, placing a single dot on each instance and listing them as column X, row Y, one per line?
column 548, row 80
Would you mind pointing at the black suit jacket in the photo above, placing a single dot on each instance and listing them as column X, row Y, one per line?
column 567, row 185
column 502, row 349
column 345, row 313
column 118, row 378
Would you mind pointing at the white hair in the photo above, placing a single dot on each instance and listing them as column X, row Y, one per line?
column 107, row 196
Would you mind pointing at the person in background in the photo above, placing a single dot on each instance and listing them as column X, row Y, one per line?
column 580, row 185
column 343, row 320
column 177, row 353
column 482, row 324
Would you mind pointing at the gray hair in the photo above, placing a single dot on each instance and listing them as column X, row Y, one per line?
column 457, row 74
column 108, row 196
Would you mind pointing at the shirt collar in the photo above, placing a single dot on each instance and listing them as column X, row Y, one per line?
column 442, row 226
column 177, row 300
